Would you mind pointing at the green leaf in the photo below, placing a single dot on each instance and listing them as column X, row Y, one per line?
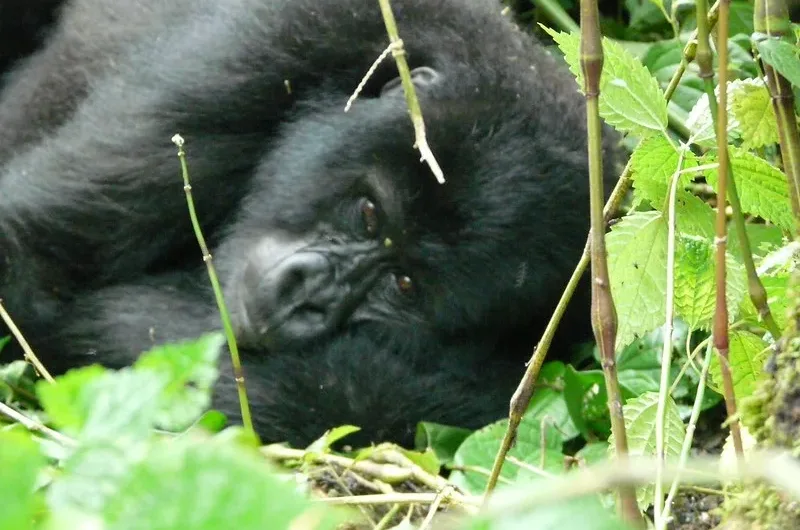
column 763, row 240
column 480, row 448
column 20, row 462
column 581, row 513
column 17, row 382
column 630, row 98
column 753, row 111
column 331, row 436
column 776, row 287
column 747, row 354
column 92, row 403
column 695, row 282
column 741, row 18
column 191, row 369
column 699, row 122
column 663, row 59
column 208, row 486
column 443, row 440
column 586, row 398
column 637, row 260
column 783, row 57
column 548, row 407
column 593, row 453
column 762, row 188
column 652, row 166
column 640, row 425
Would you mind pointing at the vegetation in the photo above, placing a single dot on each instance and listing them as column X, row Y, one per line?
column 702, row 310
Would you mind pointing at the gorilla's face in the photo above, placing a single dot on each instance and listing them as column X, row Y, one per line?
column 346, row 225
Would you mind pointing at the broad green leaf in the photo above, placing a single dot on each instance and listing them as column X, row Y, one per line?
column 637, row 259
column 20, row 462
column 663, row 59
column 533, row 447
column 762, row 188
column 593, row 453
column 191, row 369
column 581, row 513
column 586, row 399
column 776, row 287
column 695, row 282
column 699, row 122
column 443, row 440
column 763, row 240
column 208, row 486
column 96, row 404
column 741, row 18
column 548, row 407
column 652, row 167
column 630, row 98
column 640, row 426
column 747, row 353
column 783, row 57
column 753, row 111
column 17, row 382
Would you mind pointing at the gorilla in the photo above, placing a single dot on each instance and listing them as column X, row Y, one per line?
column 361, row 290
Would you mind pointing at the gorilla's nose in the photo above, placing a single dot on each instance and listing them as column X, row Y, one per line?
column 298, row 278
column 295, row 301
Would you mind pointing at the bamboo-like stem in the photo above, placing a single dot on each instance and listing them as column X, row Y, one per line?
column 522, row 395
column 721, row 233
column 603, row 312
column 758, row 295
column 399, row 54
column 238, row 372
column 771, row 20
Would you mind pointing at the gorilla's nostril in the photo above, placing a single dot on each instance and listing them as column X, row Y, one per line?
column 298, row 276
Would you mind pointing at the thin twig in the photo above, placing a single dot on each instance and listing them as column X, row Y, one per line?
column 399, row 54
column 35, row 426
column 238, row 372
column 26, row 348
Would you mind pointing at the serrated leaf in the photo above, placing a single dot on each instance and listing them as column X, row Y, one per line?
column 652, row 166
column 747, row 354
column 208, row 486
column 630, row 98
column 95, row 404
column 480, row 448
column 191, row 369
column 776, row 287
column 753, row 111
column 695, row 282
column 637, row 260
column 762, row 188
column 20, row 461
column 701, row 126
column 640, row 426
column 783, row 57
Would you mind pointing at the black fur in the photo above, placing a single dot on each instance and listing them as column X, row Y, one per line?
column 100, row 258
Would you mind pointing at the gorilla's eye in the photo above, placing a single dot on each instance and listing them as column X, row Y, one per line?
column 404, row 283
column 369, row 214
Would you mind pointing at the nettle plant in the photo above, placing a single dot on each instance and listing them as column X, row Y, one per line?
column 670, row 219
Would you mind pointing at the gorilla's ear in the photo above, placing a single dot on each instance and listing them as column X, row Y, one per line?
column 422, row 77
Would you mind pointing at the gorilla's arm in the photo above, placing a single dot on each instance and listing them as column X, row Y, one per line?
column 384, row 385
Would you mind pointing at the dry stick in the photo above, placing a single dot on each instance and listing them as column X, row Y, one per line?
column 35, row 426
column 399, row 54
column 721, row 234
column 238, row 373
column 603, row 312
column 29, row 355
column 758, row 295
column 522, row 395
column 771, row 18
